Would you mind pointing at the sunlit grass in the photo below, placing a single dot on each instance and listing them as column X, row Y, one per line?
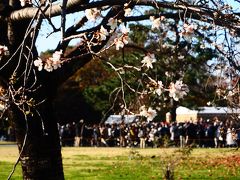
column 7, row 143
column 123, row 163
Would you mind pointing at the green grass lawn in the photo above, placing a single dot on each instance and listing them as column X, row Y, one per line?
column 140, row 164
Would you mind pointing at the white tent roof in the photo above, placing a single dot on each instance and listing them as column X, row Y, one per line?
column 184, row 110
column 217, row 110
column 118, row 119
column 206, row 110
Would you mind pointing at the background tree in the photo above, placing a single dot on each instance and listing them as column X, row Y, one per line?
column 30, row 83
column 194, row 71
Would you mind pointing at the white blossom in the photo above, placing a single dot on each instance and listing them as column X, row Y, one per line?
column 149, row 113
column 25, row 2
column 125, row 39
column 4, row 50
column 188, row 29
column 178, row 90
column 218, row 91
column 128, row 12
column 209, row 103
column 57, row 55
column 92, row 14
column 148, row 60
column 112, row 23
column 103, row 34
column 230, row 93
column 48, row 65
column 168, row 74
column 156, row 22
column 159, row 88
column 124, row 30
column 119, row 43
column 202, row 46
column 143, row 111
column 51, row 63
column 38, row 63
column 56, row 63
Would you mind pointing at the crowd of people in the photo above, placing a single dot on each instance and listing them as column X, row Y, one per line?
column 210, row 133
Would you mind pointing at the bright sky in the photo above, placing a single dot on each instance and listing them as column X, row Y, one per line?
column 44, row 43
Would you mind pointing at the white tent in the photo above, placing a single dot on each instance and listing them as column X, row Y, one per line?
column 185, row 114
column 217, row 110
column 116, row 119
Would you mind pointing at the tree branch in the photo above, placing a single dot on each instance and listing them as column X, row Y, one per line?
column 54, row 10
column 80, row 57
column 202, row 13
column 223, row 22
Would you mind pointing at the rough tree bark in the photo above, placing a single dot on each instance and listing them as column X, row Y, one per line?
column 40, row 152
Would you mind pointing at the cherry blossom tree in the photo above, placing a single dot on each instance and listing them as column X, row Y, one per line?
column 29, row 83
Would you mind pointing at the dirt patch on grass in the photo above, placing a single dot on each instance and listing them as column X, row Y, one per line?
column 227, row 161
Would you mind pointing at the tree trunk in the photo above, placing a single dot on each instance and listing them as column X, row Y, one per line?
column 35, row 124
column 39, row 144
